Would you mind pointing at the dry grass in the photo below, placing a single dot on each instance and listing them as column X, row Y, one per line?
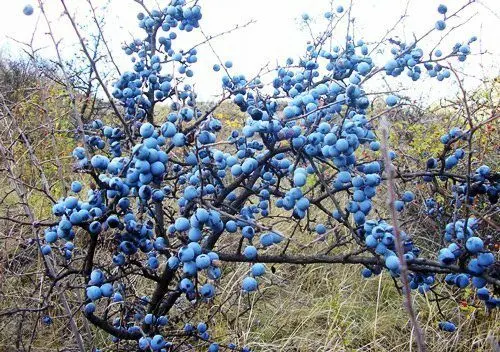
column 331, row 308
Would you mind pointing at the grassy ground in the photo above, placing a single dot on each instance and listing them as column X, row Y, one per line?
column 331, row 308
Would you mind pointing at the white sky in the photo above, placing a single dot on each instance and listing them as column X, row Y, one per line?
column 276, row 34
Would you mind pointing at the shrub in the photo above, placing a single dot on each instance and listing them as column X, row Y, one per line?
column 172, row 200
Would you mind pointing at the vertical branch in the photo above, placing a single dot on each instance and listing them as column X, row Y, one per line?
column 468, row 116
column 391, row 198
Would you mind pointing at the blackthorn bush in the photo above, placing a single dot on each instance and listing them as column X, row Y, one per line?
column 172, row 198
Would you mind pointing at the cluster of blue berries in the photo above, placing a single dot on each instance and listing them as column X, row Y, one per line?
column 466, row 246
column 380, row 237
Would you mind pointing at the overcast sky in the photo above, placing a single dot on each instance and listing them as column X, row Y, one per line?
column 276, row 35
